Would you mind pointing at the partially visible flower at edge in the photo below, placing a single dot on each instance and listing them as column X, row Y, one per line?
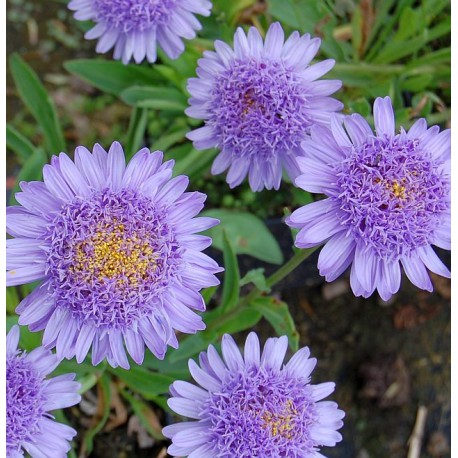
column 134, row 28
column 253, row 405
column 259, row 101
column 30, row 396
column 388, row 201
column 116, row 250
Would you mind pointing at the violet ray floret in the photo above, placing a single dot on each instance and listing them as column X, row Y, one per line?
column 30, row 396
column 117, row 253
column 253, row 405
column 388, row 200
column 259, row 102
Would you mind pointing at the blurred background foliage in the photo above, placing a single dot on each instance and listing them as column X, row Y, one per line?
column 60, row 95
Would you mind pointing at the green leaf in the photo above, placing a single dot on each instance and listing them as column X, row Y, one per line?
column 208, row 293
column 277, row 314
column 234, row 7
column 30, row 171
column 16, row 142
column 39, row 103
column 299, row 14
column 111, row 76
column 146, row 382
column 189, row 161
column 170, row 138
column 12, row 300
column 105, row 398
column 158, row 98
column 28, row 340
column 145, row 415
column 257, row 277
column 136, row 131
column 235, row 321
column 247, row 234
column 231, row 286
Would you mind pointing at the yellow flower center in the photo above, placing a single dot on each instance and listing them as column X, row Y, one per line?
column 281, row 423
column 397, row 189
column 111, row 253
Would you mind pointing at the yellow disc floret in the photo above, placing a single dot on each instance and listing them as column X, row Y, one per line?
column 113, row 253
column 281, row 423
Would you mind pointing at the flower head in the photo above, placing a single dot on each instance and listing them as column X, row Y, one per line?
column 253, row 405
column 259, row 101
column 388, row 201
column 117, row 252
column 135, row 27
column 29, row 398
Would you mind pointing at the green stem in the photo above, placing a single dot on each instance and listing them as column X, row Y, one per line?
column 299, row 257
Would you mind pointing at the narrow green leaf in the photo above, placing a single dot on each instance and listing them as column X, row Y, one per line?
column 208, row 293
column 105, row 391
column 112, row 76
column 39, row 103
column 170, row 138
column 16, row 142
column 28, row 340
column 247, row 234
column 145, row 415
column 257, row 277
column 12, row 300
column 144, row 381
column 189, row 161
column 235, row 321
column 30, row 171
column 231, row 284
column 277, row 314
column 136, row 131
column 158, row 98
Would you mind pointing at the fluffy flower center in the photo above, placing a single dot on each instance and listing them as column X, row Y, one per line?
column 114, row 253
column 260, row 413
column 110, row 257
column 134, row 15
column 24, row 401
column 393, row 195
column 259, row 108
column 282, row 422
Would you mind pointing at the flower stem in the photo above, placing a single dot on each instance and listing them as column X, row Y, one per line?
column 299, row 257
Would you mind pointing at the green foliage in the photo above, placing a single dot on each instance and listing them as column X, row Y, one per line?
column 231, row 284
column 41, row 106
column 278, row 315
column 112, row 76
column 247, row 234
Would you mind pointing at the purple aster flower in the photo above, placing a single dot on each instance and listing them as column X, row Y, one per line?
column 388, row 201
column 135, row 27
column 252, row 405
column 259, row 101
column 116, row 250
column 29, row 399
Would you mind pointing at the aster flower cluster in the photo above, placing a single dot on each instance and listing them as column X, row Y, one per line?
column 253, row 405
column 30, row 396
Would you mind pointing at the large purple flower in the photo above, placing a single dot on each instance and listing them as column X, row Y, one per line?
column 389, row 201
column 259, row 102
column 253, row 405
column 29, row 398
column 117, row 252
column 135, row 27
